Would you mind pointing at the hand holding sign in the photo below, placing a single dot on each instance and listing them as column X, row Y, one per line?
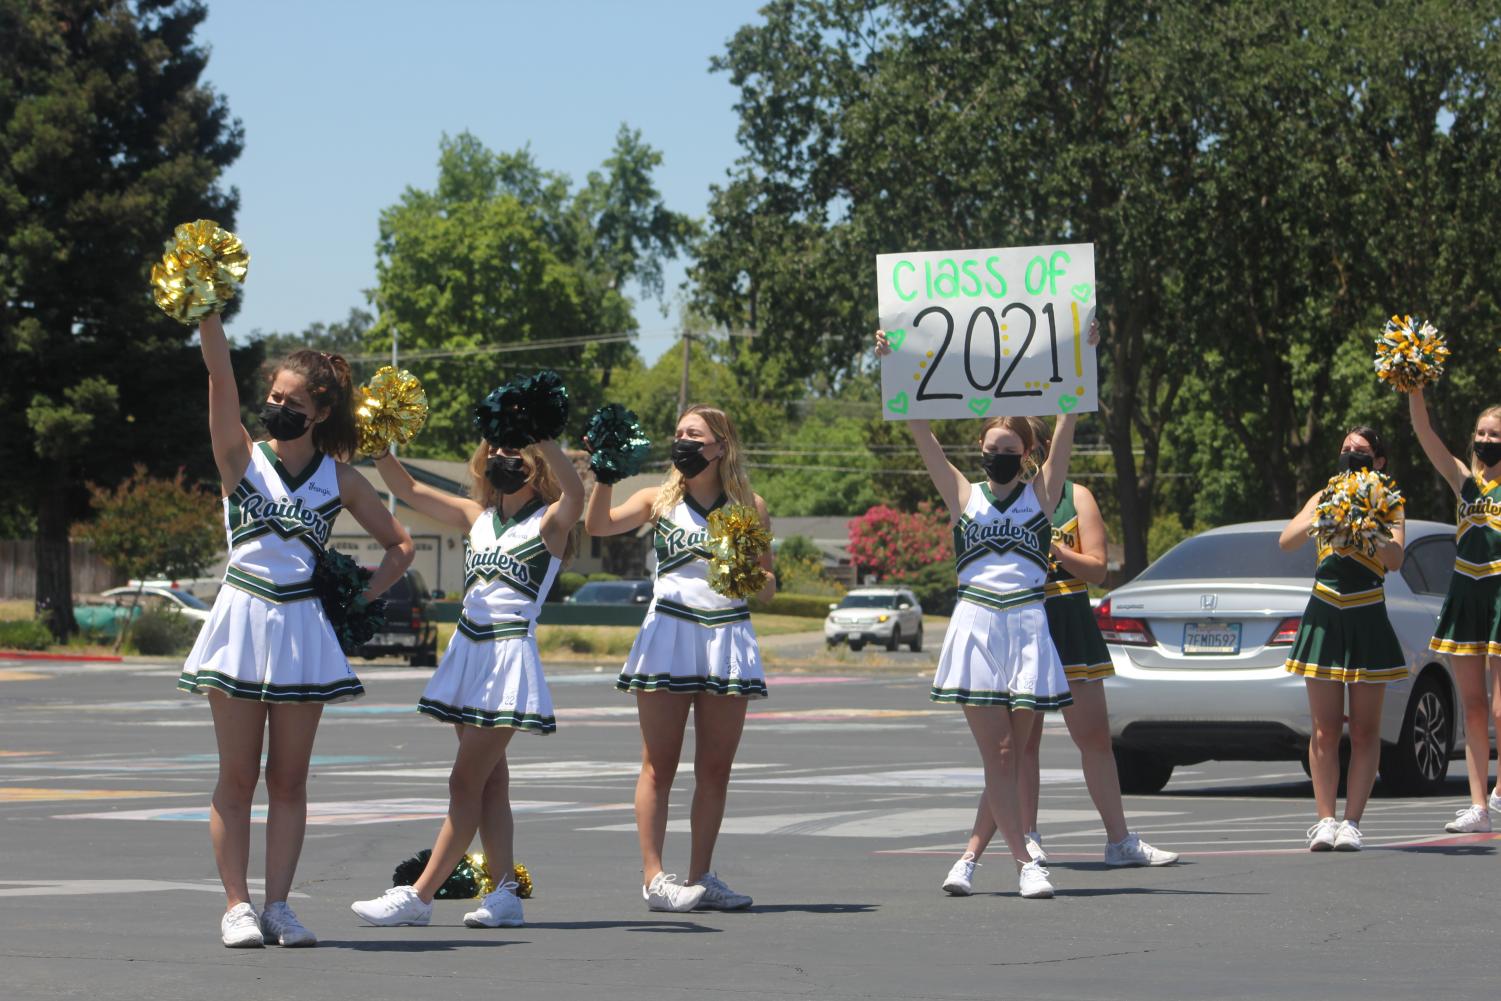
column 983, row 332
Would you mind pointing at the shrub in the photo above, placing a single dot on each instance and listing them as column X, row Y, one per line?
column 568, row 582
column 25, row 634
column 812, row 606
column 935, row 586
column 601, row 576
column 160, row 632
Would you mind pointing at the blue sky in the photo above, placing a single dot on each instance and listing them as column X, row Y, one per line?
column 344, row 102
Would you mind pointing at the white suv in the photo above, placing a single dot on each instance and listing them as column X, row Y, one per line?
column 890, row 615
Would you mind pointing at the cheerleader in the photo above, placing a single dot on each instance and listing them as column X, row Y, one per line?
column 1345, row 643
column 489, row 685
column 267, row 658
column 696, row 650
column 1469, row 627
column 1078, row 560
column 997, row 660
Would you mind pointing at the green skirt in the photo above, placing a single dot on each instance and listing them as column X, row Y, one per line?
column 1347, row 644
column 1075, row 633
column 1470, row 623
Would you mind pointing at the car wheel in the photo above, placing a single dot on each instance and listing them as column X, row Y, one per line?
column 895, row 639
column 916, row 644
column 1141, row 773
column 857, row 644
column 1417, row 764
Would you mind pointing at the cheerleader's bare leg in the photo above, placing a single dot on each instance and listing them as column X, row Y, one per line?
column 1029, row 778
column 1000, row 734
column 239, row 727
column 1365, row 746
column 1088, row 722
column 497, row 827
column 292, row 729
column 1326, row 701
column 718, row 722
column 1469, row 674
column 663, row 717
column 480, row 750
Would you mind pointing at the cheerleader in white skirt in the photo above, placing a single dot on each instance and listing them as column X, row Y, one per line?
column 696, row 650
column 998, row 660
column 489, row 684
column 267, row 658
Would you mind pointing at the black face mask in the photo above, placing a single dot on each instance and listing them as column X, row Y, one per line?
column 688, row 457
column 1488, row 452
column 282, row 422
column 506, row 473
column 1001, row 467
column 1353, row 461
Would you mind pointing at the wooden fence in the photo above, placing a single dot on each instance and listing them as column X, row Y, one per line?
column 18, row 569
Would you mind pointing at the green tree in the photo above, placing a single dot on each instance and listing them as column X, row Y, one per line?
column 500, row 254
column 108, row 138
column 152, row 527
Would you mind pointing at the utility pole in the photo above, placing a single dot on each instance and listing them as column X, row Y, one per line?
column 683, row 385
column 391, row 494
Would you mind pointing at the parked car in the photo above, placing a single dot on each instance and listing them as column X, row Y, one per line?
column 1199, row 639
column 612, row 592
column 409, row 631
column 202, row 588
column 889, row 615
column 105, row 614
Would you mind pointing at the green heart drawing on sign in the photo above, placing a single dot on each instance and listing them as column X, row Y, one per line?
column 898, row 403
column 1083, row 292
column 894, row 339
column 979, row 405
column 1067, row 403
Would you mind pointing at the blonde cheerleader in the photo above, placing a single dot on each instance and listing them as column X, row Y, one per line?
column 696, row 650
column 489, row 685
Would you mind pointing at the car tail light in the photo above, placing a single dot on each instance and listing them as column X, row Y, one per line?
column 1287, row 631
column 1122, row 630
column 416, row 616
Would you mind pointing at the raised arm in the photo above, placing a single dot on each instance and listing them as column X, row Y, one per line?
column 1055, row 468
column 564, row 512
column 602, row 519
column 953, row 486
column 1089, row 564
column 1449, row 466
column 361, row 501
column 231, row 442
column 1296, row 532
column 460, row 512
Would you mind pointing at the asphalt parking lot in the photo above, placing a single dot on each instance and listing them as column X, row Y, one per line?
column 851, row 797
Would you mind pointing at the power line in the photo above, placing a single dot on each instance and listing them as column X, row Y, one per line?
column 582, row 340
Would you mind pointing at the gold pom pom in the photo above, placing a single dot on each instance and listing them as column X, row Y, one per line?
column 483, row 881
column 201, row 269
column 736, row 541
column 390, row 410
column 1356, row 511
column 523, row 881
column 1410, row 353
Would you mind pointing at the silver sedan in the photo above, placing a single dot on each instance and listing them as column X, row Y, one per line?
column 1198, row 641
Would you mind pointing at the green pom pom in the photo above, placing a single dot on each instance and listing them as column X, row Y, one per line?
column 617, row 444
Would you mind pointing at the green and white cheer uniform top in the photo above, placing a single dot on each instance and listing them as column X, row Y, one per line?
column 278, row 525
column 681, row 579
column 507, row 573
column 1065, row 532
column 1001, row 547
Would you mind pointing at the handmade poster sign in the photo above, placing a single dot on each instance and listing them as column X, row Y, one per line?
column 981, row 333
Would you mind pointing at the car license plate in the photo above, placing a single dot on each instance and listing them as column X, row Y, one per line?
column 387, row 639
column 1200, row 638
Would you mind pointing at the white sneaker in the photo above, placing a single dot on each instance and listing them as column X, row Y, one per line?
column 718, row 897
column 1321, row 835
column 1034, row 881
column 399, row 905
column 1034, row 847
column 1131, row 850
column 280, row 925
column 1347, row 838
column 501, row 908
column 959, row 881
column 666, row 894
column 1474, row 820
column 240, row 929
column 1493, row 803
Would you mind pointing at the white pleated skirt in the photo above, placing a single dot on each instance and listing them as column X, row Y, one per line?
column 253, row 648
column 1000, row 657
column 490, row 683
column 672, row 654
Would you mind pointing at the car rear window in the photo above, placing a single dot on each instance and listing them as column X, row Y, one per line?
column 605, row 592
column 1233, row 556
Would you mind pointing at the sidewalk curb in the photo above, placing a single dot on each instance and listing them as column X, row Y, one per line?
column 43, row 655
